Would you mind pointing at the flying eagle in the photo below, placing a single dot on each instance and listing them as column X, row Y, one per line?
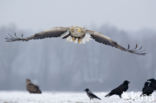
column 78, row 35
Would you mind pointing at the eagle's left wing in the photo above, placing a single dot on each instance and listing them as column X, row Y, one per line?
column 99, row 37
column 55, row 32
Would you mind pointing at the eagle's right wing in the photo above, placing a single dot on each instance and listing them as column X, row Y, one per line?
column 55, row 32
column 99, row 37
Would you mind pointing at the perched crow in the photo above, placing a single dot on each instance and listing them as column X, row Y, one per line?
column 91, row 95
column 152, row 83
column 32, row 88
column 147, row 89
column 119, row 90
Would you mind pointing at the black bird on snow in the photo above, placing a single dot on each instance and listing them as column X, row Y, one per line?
column 147, row 89
column 119, row 90
column 152, row 83
column 32, row 88
column 91, row 95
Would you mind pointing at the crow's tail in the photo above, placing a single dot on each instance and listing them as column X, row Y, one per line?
column 108, row 95
column 98, row 98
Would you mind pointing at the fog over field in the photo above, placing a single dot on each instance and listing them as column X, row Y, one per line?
column 58, row 65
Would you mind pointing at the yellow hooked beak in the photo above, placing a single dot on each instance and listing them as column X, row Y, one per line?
column 79, row 41
column 79, row 30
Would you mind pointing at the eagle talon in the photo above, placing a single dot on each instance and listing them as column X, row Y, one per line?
column 73, row 38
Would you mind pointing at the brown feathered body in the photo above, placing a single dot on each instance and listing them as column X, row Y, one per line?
column 32, row 88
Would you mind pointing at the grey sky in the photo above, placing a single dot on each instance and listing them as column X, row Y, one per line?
column 43, row 14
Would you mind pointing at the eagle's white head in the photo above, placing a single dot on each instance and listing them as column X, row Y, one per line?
column 77, row 31
column 78, row 35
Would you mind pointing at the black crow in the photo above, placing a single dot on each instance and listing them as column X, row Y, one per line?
column 147, row 89
column 152, row 83
column 119, row 90
column 32, row 88
column 91, row 95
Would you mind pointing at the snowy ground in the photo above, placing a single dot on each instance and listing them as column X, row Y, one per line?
column 67, row 97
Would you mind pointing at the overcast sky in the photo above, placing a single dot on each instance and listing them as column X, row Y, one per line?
column 42, row 14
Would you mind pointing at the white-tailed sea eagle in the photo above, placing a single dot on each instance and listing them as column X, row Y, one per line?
column 77, row 34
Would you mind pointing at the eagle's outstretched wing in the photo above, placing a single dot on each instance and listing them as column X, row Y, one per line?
column 55, row 32
column 99, row 37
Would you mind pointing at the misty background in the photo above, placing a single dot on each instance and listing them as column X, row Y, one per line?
column 57, row 65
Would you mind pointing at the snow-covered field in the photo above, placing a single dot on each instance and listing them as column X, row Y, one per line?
column 69, row 97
